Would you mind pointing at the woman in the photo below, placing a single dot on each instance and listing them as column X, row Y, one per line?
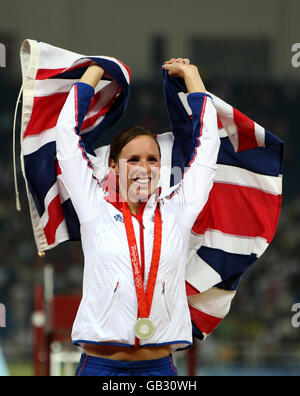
column 134, row 311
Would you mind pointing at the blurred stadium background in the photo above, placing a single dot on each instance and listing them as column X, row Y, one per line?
column 244, row 52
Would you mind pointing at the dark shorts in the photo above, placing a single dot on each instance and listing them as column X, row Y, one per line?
column 96, row 366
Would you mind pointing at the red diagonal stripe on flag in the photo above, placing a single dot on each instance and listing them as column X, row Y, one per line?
column 43, row 74
column 206, row 323
column 220, row 125
column 89, row 122
column 246, row 131
column 239, row 210
column 56, row 216
column 45, row 113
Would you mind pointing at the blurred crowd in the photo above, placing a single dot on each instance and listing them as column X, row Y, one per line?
column 258, row 327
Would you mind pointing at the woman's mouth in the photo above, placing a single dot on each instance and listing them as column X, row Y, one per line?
column 142, row 181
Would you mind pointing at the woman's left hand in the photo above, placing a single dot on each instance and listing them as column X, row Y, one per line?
column 181, row 67
column 177, row 67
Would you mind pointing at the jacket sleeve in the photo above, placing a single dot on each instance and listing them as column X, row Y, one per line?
column 76, row 169
column 192, row 193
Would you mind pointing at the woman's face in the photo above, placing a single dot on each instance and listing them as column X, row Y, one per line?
column 138, row 168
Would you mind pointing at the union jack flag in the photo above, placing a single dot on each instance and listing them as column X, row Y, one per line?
column 48, row 75
column 237, row 223
column 240, row 217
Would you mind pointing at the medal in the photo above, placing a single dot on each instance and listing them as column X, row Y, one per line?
column 144, row 327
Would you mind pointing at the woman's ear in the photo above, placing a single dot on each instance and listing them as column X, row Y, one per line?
column 114, row 166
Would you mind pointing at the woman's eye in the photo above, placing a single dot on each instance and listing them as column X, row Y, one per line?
column 133, row 160
column 153, row 159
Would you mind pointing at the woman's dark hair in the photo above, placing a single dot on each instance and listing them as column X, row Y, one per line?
column 125, row 137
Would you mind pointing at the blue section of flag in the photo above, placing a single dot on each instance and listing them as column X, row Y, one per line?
column 228, row 265
column 40, row 172
column 262, row 160
column 71, row 219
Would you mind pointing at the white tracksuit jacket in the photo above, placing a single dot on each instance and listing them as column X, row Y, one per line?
column 108, row 309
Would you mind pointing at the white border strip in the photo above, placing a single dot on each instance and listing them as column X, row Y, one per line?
column 215, row 302
column 243, row 177
column 33, row 143
column 199, row 274
column 259, row 135
column 234, row 244
column 52, row 193
column 183, row 98
column 225, row 113
column 52, row 86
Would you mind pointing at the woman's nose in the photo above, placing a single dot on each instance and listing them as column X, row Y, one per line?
column 145, row 165
column 138, row 171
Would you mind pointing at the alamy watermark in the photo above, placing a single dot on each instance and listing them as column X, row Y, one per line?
column 2, row 55
column 295, row 60
column 2, row 315
column 296, row 316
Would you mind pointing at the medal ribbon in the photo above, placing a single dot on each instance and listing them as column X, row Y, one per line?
column 144, row 299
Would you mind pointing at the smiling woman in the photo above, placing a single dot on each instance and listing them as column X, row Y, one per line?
column 134, row 311
column 135, row 158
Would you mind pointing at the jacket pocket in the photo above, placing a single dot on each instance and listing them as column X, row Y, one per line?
column 112, row 300
column 165, row 301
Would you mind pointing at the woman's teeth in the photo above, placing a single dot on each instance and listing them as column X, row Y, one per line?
column 142, row 181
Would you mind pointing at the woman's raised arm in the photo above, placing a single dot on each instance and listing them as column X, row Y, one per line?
column 193, row 191
column 76, row 169
column 92, row 75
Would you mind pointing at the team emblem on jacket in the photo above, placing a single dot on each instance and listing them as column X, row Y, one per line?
column 118, row 217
